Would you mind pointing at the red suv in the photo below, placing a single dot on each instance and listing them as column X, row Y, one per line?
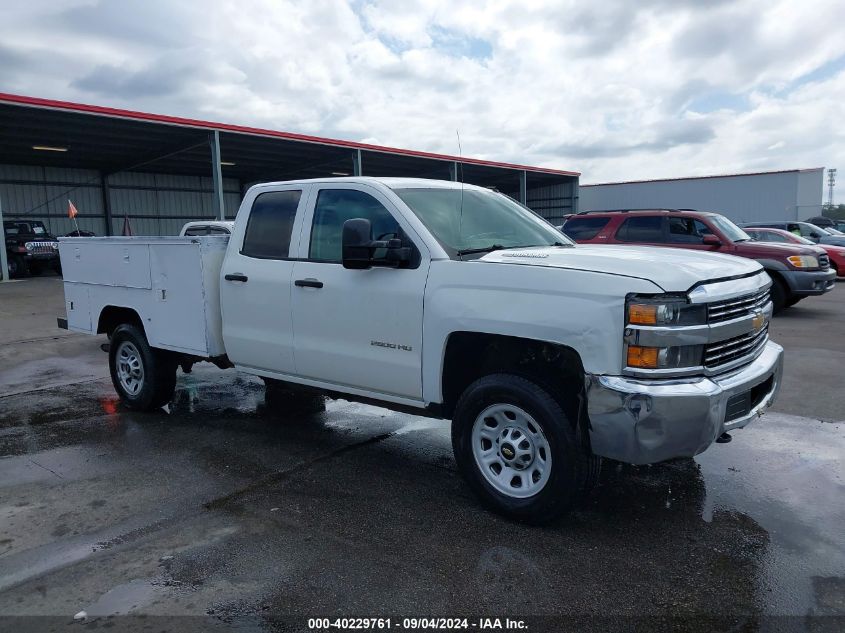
column 797, row 271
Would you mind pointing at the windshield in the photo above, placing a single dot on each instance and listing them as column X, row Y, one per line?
column 834, row 231
column 488, row 221
column 24, row 228
column 730, row 230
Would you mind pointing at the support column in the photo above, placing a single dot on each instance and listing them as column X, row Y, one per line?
column 357, row 165
column 4, row 260
column 453, row 171
column 104, row 187
column 523, row 187
column 217, row 175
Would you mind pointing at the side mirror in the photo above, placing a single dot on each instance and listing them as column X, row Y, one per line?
column 711, row 240
column 358, row 247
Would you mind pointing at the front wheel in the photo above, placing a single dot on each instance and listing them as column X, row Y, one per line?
column 517, row 449
column 779, row 295
column 143, row 377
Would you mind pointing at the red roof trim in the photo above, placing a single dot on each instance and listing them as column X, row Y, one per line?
column 242, row 129
column 752, row 173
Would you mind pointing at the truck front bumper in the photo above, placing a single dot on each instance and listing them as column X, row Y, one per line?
column 805, row 283
column 648, row 421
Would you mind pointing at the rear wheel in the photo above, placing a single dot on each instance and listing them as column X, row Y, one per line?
column 779, row 295
column 518, row 450
column 143, row 377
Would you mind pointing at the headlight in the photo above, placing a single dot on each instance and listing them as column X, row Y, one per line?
column 29, row 246
column 664, row 310
column 803, row 261
column 54, row 245
column 664, row 357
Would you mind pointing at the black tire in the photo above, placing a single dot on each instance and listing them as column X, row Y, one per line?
column 572, row 472
column 158, row 370
column 779, row 295
column 792, row 301
column 57, row 268
column 17, row 267
column 285, row 398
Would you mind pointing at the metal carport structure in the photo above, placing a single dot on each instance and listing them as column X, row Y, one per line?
column 160, row 171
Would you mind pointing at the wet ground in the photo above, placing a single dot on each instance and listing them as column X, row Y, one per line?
column 229, row 511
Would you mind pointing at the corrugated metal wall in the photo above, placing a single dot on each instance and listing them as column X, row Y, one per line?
column 156, row 204
column 744, row 198
column 553, row 201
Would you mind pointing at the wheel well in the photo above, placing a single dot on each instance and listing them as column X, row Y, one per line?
column 777, row 278
column 112, row 316
column 471, row 355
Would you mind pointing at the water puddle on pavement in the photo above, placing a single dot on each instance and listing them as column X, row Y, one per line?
column 124, row 599
column 786, row 473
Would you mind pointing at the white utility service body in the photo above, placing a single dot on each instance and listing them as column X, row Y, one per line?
column 446, row 298
column 173, row 283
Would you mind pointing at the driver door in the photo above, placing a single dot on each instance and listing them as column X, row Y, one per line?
column 358, row 328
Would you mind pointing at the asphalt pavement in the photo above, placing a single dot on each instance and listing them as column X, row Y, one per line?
column 222, row 511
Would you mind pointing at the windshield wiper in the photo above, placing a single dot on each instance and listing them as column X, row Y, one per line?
column 486, row 249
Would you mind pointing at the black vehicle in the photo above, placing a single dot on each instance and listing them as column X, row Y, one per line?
column 30, row 248
column 824, row 222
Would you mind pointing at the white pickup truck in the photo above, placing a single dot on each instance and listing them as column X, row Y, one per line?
column 451, row 301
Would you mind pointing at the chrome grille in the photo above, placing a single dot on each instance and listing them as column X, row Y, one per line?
column 824, row 261
column 41, row 248
column 723, row 352
column 734, row 308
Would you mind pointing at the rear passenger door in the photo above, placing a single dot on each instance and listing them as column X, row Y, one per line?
column 255, row 290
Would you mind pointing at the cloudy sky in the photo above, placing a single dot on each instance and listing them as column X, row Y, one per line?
column 615, row 89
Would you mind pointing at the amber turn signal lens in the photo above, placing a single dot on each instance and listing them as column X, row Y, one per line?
column 642, row 314
column 643, row 357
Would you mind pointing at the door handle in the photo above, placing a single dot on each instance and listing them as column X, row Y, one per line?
column 308, row 283
column 235, row 277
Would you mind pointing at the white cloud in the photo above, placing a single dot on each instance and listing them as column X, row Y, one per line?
column 613, row 89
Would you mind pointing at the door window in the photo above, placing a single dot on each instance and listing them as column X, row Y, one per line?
column 687, row 230
column 195, row 231
column 641, row 228
column 336, row 206
column 270, row 225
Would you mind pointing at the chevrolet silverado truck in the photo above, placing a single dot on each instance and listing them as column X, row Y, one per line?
column 450, row 301
column 797, row 271
column 30, row 248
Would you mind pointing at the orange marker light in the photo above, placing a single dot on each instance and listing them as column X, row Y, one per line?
column 642, row 314
column 643, row 357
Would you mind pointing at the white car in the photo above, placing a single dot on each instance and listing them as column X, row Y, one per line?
column 450, row 301
column 207, row 227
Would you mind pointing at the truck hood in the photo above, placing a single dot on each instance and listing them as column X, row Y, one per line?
column 774, row 249
column 673, row 269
